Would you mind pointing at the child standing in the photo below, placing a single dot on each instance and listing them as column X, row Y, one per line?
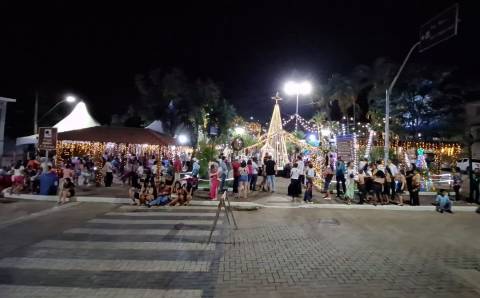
column 350, row 185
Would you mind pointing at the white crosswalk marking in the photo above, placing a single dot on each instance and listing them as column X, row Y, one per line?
column 169, row 208
column 105, row 265
column 124, row 245
column 162, row 214
column 152, row 221
column 172, row 254
column 20, row 291
column 156, row 232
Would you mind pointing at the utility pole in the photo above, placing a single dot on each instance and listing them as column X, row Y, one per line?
column 438, row 29
column 470, row 141
column 387, row 101
column 35, row 114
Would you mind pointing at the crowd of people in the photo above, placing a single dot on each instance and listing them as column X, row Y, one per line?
column 376, row 182
column 245, row 172
column 158, row 181
column 42, row 176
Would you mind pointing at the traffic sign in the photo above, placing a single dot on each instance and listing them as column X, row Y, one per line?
column 440, row 28
column 47, row 138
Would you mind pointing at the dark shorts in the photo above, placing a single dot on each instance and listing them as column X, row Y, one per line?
column 386, row 188
column 377, row 188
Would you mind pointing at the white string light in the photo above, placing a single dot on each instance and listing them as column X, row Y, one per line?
column 369, row 143
column 355, row 152
column 407, row 160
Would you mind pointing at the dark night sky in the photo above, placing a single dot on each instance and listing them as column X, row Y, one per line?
column 95, row 50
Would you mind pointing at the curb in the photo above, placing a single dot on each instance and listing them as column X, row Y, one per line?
column 247, row 204
column 74, row 199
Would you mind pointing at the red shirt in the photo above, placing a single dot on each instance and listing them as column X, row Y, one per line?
column 33, row 164
column 236, row 167
column 177, row 165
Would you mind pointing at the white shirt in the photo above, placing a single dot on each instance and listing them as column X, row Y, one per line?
column 140, row 170
column 294, row 173
column 301, row 166
column 44, row 166
column 393, row 168
column 108, row 167
column 255, row 168
column 154, row 169
column 18, row 172
column 310, row 172
column 362, row 164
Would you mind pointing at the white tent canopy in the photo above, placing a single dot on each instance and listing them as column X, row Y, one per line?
column 157, row 126
column 79, row 118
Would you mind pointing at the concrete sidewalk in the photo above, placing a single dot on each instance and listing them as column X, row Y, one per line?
column 286, row 205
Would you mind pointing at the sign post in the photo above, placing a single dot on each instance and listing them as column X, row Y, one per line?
column 438, row 29
column 345, row 148
column 47, row 139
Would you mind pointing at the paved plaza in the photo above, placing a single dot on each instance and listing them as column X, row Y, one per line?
column 106, row 250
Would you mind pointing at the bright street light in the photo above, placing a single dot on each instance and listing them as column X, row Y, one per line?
column 294, row 88
column 183, row 139
column 70, row 99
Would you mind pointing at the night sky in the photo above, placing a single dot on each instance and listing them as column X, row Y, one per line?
column 94, row 51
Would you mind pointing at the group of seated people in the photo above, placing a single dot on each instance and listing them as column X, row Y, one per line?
column 161, row 194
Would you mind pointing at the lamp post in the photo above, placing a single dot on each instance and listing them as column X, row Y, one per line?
column 69, row 99
column 294, row 88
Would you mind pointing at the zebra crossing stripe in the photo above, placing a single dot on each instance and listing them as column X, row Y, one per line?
column 156, row 232
column 67, row 244
column 105, row 265
column 152, row 221
column 161, row 208
column 161, row 214
column 21, row 291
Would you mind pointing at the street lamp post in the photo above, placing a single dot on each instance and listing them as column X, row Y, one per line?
column 294, row 88
column 69, row 99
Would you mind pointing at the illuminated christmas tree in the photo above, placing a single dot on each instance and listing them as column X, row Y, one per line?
column 421, row 161
column 275, row 143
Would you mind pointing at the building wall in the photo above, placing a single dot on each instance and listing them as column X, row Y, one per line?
column 472, row 111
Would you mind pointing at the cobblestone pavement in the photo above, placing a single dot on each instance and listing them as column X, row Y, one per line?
column 333, row 253
column 161, row 252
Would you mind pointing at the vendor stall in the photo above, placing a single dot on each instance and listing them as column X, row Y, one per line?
column 100, row 141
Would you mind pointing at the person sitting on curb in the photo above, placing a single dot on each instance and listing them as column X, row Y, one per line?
column 181, row 198
column 67, row 192
column 443, row 202
column 143, row 195
column 163, row 196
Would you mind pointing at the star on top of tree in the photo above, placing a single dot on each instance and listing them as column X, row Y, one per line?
column 276, row 98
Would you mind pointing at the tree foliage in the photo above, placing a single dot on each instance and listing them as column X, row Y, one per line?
column 424, row 99
column 181, row 103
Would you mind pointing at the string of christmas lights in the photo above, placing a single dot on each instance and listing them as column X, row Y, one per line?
column 355, row 153
column 371, row 133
